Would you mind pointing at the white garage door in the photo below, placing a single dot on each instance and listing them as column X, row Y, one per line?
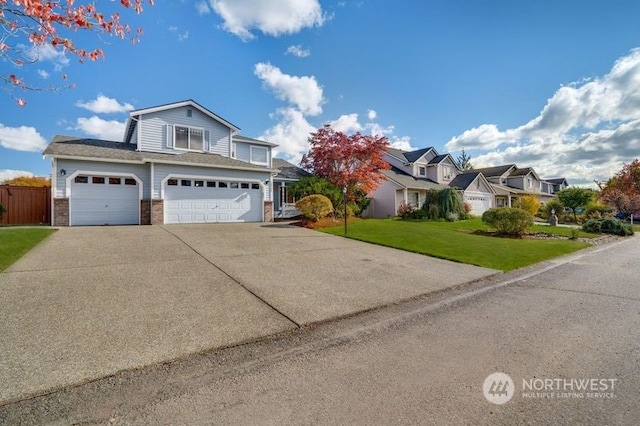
column 104, row 200
column 479, row 204
column 209, row 201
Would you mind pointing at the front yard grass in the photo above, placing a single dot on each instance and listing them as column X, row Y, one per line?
column 15, row 242
column 463, row 241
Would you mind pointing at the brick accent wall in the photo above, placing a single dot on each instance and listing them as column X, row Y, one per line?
column 145, row 212
column 60, row 212
column 157, row 212
column 268, row 211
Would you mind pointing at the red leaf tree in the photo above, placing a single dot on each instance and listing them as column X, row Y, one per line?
column 27, row 25
column 622, row 191
column 352, row 162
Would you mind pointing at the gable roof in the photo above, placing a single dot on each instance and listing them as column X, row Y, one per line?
column 288, row 171
column 100, row 150
column 463, row 180
column 132, row 122
column 495, row 171
column 557, row 181
column 409, row 156
column 524, row 171
column 407, row 181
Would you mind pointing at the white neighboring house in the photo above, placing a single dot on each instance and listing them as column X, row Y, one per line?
column 414, row 172
column 511, row 182
column 177, row 163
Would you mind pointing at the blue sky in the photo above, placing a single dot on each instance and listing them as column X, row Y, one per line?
column 549, row 84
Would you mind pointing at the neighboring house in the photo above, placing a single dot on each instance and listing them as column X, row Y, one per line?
column 510, row 183
column 414, row 172
column 177, row 163
column 557, row 184
column 284, row 203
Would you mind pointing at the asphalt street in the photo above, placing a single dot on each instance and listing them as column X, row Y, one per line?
column 566, row 333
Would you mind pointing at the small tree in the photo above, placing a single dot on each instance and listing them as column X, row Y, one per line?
column 573, row 198
column 464, row 161
column 315, row 206
column 28, row 181
column 351, row 162
column 528, row 203
column 622, row 191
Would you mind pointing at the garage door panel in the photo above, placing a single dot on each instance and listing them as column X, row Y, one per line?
column 104, row 204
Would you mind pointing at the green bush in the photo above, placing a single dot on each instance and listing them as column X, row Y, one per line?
column 545, row 210
column 508, row 221
column 443, row 204
column 607, row 226
column 315, row 206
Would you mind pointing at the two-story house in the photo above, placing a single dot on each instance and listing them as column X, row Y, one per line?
column 412, row 173
column 177, row 163
column 511, row 182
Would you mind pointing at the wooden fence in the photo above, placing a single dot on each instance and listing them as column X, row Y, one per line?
column 25, row 205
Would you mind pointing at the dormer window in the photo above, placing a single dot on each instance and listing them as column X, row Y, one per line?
column 188, row 138
column 422, row 171
column 529, row 183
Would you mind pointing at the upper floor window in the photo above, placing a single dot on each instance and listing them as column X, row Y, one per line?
column 259, row 155
column 188, row 138
column 233, row 150
column 446, row 175
column 422, row 171
column 529, row 183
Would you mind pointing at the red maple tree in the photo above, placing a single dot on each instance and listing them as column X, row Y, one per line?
column 622, row 191
column 352, row 162
column 37, row 23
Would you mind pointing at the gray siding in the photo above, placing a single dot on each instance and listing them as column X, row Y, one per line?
column 398, row 163
column 154, row 128
column 71, row 166
column 384, row 200
column 161, row 171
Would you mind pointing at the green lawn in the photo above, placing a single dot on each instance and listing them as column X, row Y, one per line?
column 460, row 241
column 15, row 242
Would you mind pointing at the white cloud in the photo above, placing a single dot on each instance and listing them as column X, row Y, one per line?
column 347, row 123
column 298, row 51
column 371, row 114
column 46, row 52
column 105, row 105
column 181, row 36
column 403, row 143
column 303, row 92
column 203, row 8
column 21, row 138
column 586, row 130
column 6, row 174
column 43, row 74
column 291, row 133
column 273, row 17
column 112, row 130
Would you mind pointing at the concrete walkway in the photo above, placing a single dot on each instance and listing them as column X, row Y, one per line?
column 91, row 301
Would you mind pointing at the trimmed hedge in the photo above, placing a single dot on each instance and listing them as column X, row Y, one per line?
column 315, row 206
column 508, row 221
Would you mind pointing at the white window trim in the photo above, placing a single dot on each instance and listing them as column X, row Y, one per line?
column 234, row 150
column 423, row 169
column 266, row 151
column 445, row 175
column 204, row 142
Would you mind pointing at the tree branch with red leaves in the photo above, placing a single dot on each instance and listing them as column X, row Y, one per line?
column 27, row 25
column 353, row 161
column 622, row 191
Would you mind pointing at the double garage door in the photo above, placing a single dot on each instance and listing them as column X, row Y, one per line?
column 104, row 200
column 209, row 201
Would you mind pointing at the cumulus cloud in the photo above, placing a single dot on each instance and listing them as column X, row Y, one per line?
column 6, row 174
column 45, row 52
column 105, row 105
column 112, row 130
column 298, row 51
column 291, row 133
column 586, row 130
column 371, row 114
column 347, row 123
column 273, row 17
column 303, row 92
column 21, row 138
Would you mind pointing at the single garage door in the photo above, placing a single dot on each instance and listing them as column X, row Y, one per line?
column 210, row 201
column 479, row 204
column 104, row 200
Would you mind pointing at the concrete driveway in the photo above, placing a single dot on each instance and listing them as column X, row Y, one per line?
column 91, row 301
